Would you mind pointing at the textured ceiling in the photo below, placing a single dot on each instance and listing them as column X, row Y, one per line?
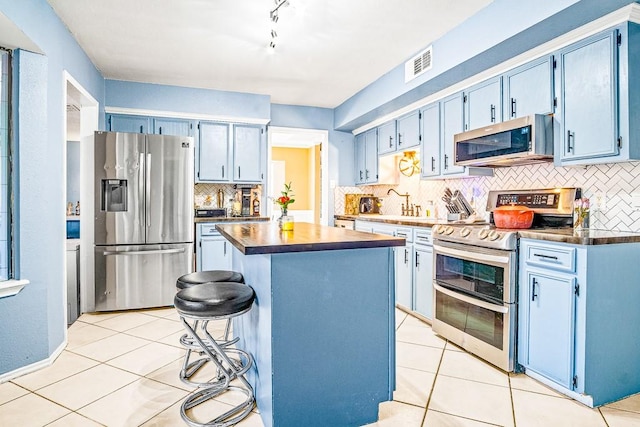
column 326, row 51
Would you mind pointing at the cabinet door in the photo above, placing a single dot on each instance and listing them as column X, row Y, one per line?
column 215, row 254
column 213, row 152
column 452, row 122
column 483, row 104
column 404, row 276
column 360, row 158
column 423, row 280
column 133, row 124
column 528, row 89
column 409, row 131
column 551, row 303
column 371, row 156
column 387, row 138
column 247, row 151
column 430, row 130
column 177, row 127
column 588, row 98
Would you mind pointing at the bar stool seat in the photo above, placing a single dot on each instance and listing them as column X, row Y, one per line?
column 214, row 299
column 200, row 277
column 195, row 279
column 201, row 304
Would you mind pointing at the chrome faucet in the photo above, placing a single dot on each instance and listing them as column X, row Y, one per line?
column 405, row 206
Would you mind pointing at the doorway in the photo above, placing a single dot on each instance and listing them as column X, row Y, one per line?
column 80, row 121
column 299, row 156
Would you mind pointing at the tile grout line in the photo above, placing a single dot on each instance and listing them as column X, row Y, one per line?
column 433, row 386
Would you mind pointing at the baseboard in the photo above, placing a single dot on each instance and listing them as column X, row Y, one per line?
column 8, row 376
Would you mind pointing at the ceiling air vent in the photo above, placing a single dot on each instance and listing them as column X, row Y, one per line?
column 418, row 64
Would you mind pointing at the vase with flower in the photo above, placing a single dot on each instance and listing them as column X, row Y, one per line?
column 285, row 221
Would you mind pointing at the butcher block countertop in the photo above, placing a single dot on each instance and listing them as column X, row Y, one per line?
column 266, row 238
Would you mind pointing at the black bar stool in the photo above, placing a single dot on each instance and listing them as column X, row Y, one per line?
column 195, row 279
column 200, row 305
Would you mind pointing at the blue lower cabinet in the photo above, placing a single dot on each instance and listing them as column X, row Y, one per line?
column 550, row 325
column 578, row 318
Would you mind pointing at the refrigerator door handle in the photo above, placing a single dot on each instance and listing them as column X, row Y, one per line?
column 154, row 251
column 141, row 190
column 147, row 203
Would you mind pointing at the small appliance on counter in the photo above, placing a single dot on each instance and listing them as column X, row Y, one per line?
column 369, row 205
column 246, row 202
column 352, row 203
column 210, row 213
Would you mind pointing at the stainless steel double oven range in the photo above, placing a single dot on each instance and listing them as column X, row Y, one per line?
column 476, row 275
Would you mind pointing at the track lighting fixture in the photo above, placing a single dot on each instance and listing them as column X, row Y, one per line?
column 273, row 15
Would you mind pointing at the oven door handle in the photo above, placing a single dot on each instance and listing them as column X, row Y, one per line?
column 483, row 257
column 470, row 300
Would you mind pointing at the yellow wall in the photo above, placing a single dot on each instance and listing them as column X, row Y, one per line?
column 298, row 167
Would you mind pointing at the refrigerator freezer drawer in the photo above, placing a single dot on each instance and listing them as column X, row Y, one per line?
column 143, row 276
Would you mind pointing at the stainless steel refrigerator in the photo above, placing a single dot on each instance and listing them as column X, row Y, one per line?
column 143, row 230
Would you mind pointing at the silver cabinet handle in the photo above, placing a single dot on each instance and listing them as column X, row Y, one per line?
column 151, row 252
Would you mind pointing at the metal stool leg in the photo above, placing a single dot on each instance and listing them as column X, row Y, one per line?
column 228, row 369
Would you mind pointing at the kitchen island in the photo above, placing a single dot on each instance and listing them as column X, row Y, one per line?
column 322, row 330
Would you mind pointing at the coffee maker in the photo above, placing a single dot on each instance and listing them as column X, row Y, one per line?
column 246, row 202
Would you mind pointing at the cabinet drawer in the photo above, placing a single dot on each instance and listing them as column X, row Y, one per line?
column 406, row 233
column 208, row 230
column 550, row 256
column 422, row 237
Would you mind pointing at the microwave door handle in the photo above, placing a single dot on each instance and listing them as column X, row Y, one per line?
column 470, row 255
column 479, row 303
column 513, row 107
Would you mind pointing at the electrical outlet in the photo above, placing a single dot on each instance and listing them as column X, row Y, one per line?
column 635, row 201
column 599, row 201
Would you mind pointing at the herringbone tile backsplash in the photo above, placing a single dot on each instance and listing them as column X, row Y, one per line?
column 610, row 187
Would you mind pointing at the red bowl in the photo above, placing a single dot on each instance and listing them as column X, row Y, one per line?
column 513, row 216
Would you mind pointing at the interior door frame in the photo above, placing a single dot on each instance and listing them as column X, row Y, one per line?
column 316, row 136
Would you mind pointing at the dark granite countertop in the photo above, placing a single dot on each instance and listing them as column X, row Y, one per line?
column 230, row 219
column 584, row 237
column 395, row 219
column 562, row 235
column 266, row 238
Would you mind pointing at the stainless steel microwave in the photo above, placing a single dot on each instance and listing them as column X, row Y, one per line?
column 515, row 142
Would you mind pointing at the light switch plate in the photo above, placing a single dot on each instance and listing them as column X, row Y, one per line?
column 635, row 200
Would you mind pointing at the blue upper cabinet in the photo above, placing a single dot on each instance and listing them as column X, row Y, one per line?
column 225, row 159
column 408, row 131
column 371, row 156
column 178, row 127
column 430, row 130
column 483, row 104
column 213, row 152
column 366, row 157
column 452, row 122
column 588, row 110
column 247, row 153
column 387, row 138
column 528, row 89
column 125, row 123
column 360, row 158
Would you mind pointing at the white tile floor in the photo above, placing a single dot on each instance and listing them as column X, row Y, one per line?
column 121, row 369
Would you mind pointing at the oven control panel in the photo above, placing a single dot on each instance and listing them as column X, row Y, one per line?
column 534, row 200
column 554, row 201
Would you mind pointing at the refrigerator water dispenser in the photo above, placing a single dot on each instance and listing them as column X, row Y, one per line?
column 114, row 195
